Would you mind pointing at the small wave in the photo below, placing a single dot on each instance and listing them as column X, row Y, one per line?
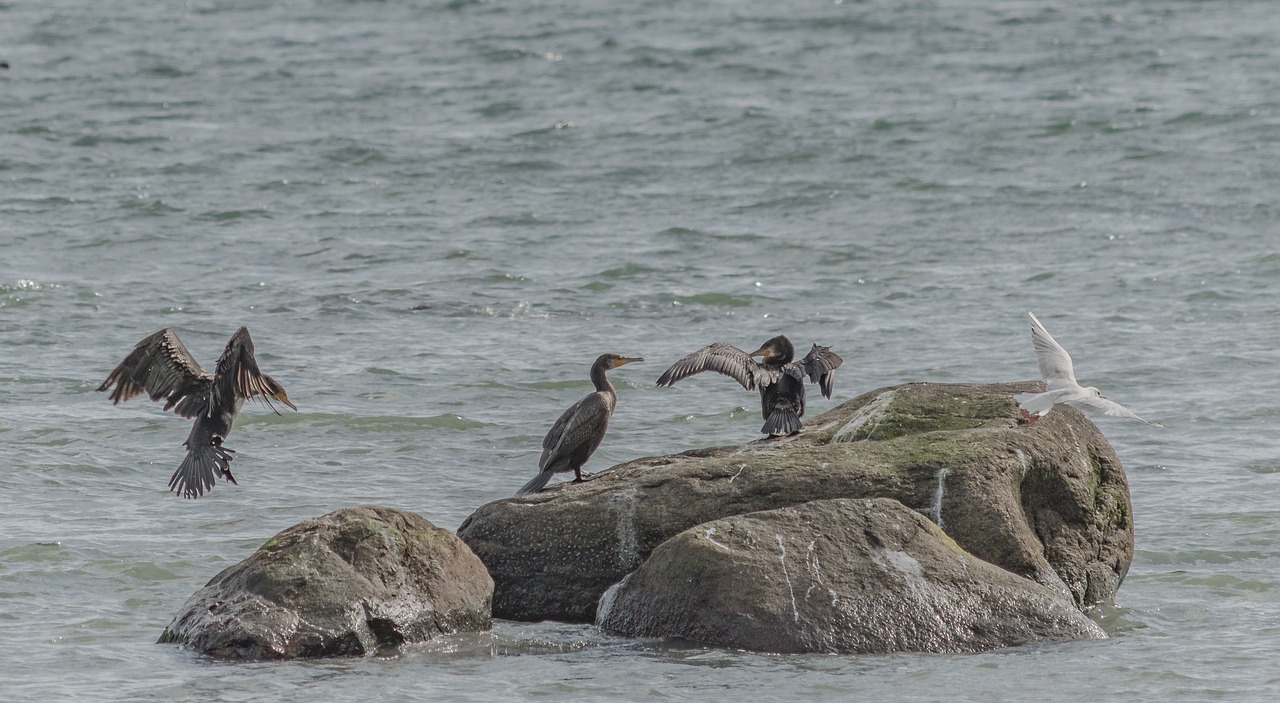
column 725, row 300
column 23, row 284
column 233, row 215
column 38, row 552
column 97, row 139
column 500, row 108
column 152, row 208
column 398, row 423
column 522, row 219
column 734, row 414
column 356, row 156
column 522, row 310
column 554, row 385
column 626, row 272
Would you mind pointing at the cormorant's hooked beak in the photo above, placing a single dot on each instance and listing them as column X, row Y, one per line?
column 285, row 399
column 626, row 360
column 764, row 351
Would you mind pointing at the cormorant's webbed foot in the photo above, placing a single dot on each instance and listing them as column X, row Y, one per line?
column 582, row 477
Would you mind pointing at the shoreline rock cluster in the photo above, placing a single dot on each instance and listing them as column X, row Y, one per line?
column 920, row 517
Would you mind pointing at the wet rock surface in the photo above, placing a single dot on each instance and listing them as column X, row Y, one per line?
column 347, row 583
column 834, row 576
column 1049, row 502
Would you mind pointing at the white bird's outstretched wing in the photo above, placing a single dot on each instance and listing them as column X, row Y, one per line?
column 1088, row 402
column 1054, row 361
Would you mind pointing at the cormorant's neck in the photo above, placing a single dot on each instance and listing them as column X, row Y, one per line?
column 600, row 380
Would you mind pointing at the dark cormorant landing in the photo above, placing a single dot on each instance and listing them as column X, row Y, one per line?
column 162, row 366
column 781, row 380
column 578, row 432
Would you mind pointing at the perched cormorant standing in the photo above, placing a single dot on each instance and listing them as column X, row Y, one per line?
column 162, row 366
column 577, row 434
column 781, row 381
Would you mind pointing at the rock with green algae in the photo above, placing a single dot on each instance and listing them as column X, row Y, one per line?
column 840, row 576
column 351, row 582
column 1048, row 501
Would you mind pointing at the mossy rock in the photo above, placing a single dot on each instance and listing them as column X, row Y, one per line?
column 1049, row 502
column 348, row 583
column 837, row 576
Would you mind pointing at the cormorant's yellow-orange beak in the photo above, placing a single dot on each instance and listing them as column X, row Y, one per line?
column 626, row 360
column 285, row 399
column 762, row 351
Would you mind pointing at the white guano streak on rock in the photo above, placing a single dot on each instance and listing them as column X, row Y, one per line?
column 711, row 531
column 938, row 492
column 1022, row 459
column 815, row 569
column 871, row 412
column 740, row 470
column 908, row 568
column 624, row 505
column 795, row 610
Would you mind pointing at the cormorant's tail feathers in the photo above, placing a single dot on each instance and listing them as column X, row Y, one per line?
column 536, row 484
column 782, row 422
column 199, row 470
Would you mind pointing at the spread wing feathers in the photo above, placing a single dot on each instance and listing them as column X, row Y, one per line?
column 819, row 365
column 1054, row 362
column 237, row 373
column 725, row 359
column 583, row 424
column 162, row 366
column 1104, row 406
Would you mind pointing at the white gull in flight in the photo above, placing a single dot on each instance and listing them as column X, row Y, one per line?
column 1060, row 383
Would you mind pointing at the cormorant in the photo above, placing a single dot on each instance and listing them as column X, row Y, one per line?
column 162, row 366
column 577, row 434
column 781, row 381
column 1060, row 383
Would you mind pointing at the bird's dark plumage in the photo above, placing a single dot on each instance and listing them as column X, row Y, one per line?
column 161, row 366
column 578, row 432
column 779, row 378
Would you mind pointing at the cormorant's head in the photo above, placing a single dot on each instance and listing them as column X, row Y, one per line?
column 275, row 391
column 778, row 350
column 284, row 398
column 613, row 361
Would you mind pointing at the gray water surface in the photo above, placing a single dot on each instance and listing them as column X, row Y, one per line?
column 434, row 215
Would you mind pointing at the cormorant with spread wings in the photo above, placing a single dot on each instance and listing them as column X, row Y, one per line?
column 162, row 367
column 780, row 380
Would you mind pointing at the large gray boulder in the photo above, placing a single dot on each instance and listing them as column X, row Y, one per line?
column 348, row 583
column 837, row 576
column 1049, row 501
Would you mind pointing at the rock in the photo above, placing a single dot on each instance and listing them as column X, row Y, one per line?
column 1048, row 501
column 836, row 576
column 347, row 583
